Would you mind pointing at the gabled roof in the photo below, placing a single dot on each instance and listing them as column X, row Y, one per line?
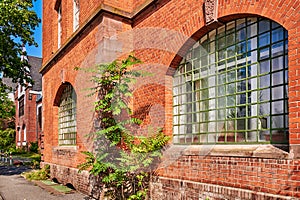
column 35, row 64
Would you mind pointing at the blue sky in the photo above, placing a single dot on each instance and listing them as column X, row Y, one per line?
column 32, row 50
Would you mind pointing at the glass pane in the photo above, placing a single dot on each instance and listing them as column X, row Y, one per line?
column 252, row 30
column 277, row 49
column 264, row 39
column 240, row 23
column 277, row 93
column 265, row 67
column 221, row 43
column 277, row 108
column 264, row 25
column 264, row 53
column 277, row 78
column 230, row 39
column 241, row 35
column 277, row 35
column 231, row 51
column 252, row 44
column 277, row 63
column 264, row 95
column 264, row 81
column 241, row 47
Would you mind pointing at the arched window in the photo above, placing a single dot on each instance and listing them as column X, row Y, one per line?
column 232, row 86
column 67, row 117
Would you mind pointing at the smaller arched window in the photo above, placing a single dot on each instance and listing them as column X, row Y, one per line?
column 67, row 117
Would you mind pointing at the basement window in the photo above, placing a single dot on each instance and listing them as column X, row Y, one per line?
column 232, row 86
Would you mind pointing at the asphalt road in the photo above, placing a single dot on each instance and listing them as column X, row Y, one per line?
column 14, row 187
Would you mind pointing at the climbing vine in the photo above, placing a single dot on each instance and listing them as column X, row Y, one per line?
column 123, row 162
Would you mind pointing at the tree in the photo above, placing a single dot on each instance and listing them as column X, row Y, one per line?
column 7, row 109
column 123, row 161
column 17, row 23
column 7, row 120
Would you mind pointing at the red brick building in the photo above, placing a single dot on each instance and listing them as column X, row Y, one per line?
column 28, row 107
column 225, row 88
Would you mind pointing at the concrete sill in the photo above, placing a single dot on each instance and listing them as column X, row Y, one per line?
column 252, row 151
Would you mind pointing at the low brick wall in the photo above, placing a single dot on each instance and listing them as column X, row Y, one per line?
column 82, row 182
column 170, row 189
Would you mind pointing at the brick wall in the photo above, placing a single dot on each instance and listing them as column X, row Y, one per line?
column 160, row 40
column 27, row 120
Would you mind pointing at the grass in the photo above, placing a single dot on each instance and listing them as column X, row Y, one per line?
column 48, row 182
column 61, row 188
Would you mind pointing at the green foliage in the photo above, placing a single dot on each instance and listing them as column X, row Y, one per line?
column 7, row 108
column 41, row 174
column 34, row 147
column 17, row 23
column 125, row 173
column 7, row 139
column 113, row 89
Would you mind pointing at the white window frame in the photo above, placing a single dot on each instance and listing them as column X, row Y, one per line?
column 59, row 28
column 76, row 11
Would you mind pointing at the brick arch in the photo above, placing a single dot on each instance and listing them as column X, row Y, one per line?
column 283, row 12
column 60, row 91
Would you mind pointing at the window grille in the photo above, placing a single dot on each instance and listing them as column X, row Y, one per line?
column 232, row 86
column 67, row 117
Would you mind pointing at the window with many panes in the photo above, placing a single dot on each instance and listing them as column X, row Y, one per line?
column 21, row 106
column 67, row 117
column 75, row 14
column 231, row 87
column 59, row 29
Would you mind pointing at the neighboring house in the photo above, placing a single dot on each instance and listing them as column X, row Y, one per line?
column 28, row 107
column 225, row 87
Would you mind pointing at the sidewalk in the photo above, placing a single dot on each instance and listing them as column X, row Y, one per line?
column 14, row 187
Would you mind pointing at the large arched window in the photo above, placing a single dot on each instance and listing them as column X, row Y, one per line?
column 232, row 86
column 67, row 116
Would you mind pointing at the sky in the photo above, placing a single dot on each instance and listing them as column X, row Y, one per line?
column 32, row 50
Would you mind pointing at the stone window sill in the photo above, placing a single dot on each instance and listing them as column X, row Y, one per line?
column 252, row 151
column 65, row 148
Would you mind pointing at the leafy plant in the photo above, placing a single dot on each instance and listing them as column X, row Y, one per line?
column 123, row 161
column 34, row 147
column 41, row 174
column 7, row 139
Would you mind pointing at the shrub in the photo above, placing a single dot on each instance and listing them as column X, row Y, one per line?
column 41, row 174
column 34, row 147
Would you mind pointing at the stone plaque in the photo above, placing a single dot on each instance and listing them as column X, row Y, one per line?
column 210, row 11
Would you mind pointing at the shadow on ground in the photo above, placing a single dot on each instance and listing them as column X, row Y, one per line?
column 7, row 170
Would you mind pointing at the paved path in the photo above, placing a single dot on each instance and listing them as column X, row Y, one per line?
column 14, row 187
